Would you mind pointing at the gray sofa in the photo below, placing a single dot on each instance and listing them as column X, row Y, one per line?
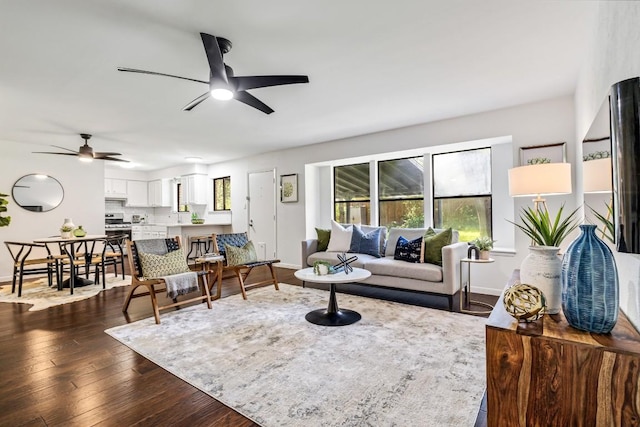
column 390, row 273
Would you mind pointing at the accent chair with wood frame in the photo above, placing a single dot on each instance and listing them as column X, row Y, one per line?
column 155, row 286
column 241, row 271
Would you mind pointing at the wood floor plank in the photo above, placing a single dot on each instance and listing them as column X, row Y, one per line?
column 64, row 370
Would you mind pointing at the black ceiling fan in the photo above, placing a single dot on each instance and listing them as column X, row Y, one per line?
column 222, row 83
column 85, row 152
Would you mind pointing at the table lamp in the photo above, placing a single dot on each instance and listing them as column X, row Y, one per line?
column 597, row 176
column 540, row 179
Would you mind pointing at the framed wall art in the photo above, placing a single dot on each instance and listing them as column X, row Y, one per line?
column 289, row 188
column 548, row 153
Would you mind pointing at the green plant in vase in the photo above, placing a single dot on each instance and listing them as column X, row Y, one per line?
column 545, row 230
column 4, row 220
column 484, row 245
column 195, row 219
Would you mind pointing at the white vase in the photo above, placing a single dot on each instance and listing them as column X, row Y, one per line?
column 65, row 234
column 68, row 223
column 542, row 268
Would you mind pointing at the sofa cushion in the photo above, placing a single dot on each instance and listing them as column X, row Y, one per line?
column 433, row 243
column 365, row 243
column 388, row 266
column 323, row 238
column 340, row 240
column 383, row 234
column 408, row 250
column 332, row 258
column 410, row 234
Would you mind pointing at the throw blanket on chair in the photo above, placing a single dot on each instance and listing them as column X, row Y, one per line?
column 151, row 246
column 181, row 284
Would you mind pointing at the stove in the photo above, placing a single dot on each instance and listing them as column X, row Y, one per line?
column 115, row 221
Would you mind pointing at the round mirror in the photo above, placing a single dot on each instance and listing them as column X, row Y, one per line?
column 37, row 193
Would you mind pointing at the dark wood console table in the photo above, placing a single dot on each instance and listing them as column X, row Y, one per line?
column 547, row 373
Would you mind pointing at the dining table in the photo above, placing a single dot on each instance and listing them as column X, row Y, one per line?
column 74, row 242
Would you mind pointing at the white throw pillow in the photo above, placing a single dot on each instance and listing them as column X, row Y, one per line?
column 340, row 240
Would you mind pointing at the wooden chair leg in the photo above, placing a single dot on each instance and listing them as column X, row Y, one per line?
column 205, row 289
column 241, row 282
column 154, row 304
column 127, row 300
column 273, row 275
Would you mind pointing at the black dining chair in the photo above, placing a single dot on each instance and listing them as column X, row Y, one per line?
column 26, row 261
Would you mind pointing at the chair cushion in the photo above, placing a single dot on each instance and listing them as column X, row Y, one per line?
column 408, row 250
column 365, row 243
column 323, row 238
column 240, row 256
column 387, row 266
column 340, row 240
column 433, row 244
column 155, row 266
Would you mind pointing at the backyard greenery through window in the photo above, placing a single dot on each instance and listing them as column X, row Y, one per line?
column 401, row 192
column 182, row 207
column 222, row 194
column 352, row 199
column 462, row 192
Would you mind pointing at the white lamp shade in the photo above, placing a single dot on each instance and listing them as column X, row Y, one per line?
column 534, row 180
column 597, row 176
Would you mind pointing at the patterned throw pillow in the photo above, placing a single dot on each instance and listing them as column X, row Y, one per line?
column 408, row 251
column 323, row 238
column 368, row 243
column 238, row 256
column 433, row 244
column 156, row 266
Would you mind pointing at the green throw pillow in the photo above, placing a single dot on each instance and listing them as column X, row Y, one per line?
column 156, row 266
column 238, row 256
column 433, row 243
column 323, row 238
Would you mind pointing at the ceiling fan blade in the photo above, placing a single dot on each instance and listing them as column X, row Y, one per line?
column 252, row 101
column 112, row 159
column 63, row 148
column 214, row 56
column 104, row 154
column 59, row 154
column 253, row 82
column 196, row 101
column 153, row 73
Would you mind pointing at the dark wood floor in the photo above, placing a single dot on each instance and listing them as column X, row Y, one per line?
column 58, row 367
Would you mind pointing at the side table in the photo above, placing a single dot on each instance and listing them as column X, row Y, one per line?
column 465, row 306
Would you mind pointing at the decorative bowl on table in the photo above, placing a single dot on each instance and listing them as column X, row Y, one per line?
column 197, row 221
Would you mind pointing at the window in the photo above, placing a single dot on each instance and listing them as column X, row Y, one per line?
column 222, row 194
column 182, row 206
column 352, row 201
column 462, row 192
column 401, row 192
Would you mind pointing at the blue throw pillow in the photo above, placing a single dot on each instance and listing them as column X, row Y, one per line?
column 407, row 250
column 368, row 243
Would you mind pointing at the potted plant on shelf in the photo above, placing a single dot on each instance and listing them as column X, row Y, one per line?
column 195, row 219
column 484, row 245
column 4, row 220
column 542, row 266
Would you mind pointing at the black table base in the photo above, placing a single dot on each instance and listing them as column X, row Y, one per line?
column 332, row 315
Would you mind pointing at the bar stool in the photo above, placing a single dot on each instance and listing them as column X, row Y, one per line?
column 199, row 245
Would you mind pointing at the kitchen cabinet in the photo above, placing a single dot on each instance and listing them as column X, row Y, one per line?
column 140, row 232
column 137, row 193
column 159, row 193
column 195, row 190
column 115, row 188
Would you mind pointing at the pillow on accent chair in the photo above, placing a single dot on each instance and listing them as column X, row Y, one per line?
column 408, row 250
column 433, row 243
column 157, row 266
column 340, row 240
column 323, row 239
column 240, row 255
column 365, row 243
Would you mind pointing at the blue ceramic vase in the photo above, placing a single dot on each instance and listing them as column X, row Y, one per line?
column 590, row 294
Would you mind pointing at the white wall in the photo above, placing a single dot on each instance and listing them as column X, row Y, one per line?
column 83, row 202
column 613, row 57
column 532, row 124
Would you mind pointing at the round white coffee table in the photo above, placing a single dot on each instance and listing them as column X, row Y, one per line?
column 332, row 315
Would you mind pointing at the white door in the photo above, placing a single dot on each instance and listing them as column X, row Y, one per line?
column 262, row 213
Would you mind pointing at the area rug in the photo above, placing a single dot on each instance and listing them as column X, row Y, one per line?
column 38, row 293
column 400, row 365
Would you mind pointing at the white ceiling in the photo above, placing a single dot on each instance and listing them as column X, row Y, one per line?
column 372, row 66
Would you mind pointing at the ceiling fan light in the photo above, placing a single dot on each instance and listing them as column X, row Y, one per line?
column 221, row 93
column 85, row 158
